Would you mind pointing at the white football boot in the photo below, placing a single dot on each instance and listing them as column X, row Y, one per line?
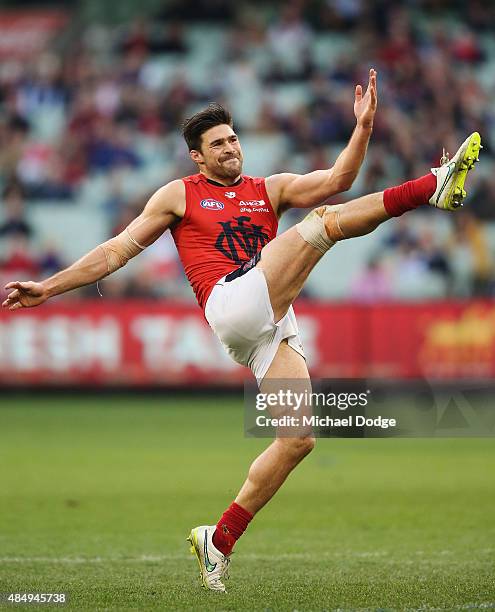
column 451, row 174
column 212, row 563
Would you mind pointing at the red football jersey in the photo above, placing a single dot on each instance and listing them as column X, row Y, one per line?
column 222, row 228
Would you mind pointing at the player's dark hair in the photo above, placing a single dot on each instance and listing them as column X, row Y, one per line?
column 194, row 127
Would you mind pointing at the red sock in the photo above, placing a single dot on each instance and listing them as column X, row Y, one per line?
column 398, row 200
column 230, row 527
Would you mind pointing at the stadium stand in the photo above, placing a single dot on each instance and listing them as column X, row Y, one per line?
column 91, row 127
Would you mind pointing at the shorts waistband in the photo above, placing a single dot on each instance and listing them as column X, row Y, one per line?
column 244, row 268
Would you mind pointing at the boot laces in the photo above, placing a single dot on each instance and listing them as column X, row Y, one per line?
column 445, row 157
column 225, row 573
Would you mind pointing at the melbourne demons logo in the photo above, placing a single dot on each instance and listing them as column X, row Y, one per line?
column 211, row 204
column 240, row 240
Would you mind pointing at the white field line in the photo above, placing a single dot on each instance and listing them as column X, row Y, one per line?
column 388, row 556
column 487, row 605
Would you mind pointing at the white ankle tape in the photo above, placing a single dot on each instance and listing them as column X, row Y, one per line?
column 312, row 230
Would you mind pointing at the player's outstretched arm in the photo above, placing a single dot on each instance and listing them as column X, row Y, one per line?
column 303, row 191
column 163, row 208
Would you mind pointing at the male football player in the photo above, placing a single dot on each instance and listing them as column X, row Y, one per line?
column 246, row 278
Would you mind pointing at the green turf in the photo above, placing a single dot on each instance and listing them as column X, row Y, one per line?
column 97, row 495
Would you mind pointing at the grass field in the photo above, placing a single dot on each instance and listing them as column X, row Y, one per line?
column 97, row 496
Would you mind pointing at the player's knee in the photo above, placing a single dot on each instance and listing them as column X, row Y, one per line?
column 298, row 448
column 307, row 445
column 321, row 228
column 331, row 219
column 303, row 446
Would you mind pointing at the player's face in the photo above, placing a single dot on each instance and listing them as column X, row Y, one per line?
column 221, row 154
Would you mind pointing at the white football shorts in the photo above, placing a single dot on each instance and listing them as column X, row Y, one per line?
column 240, row 313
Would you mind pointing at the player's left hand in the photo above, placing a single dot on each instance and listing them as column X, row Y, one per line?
column 365, row 106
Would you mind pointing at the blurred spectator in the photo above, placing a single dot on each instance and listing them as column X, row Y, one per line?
column 50, row 261
column 470, row 240
column 401, row 235
column 41, row 170
column 373, row 284
column 14, row 222
column 289, row 39
column 136, row 38
column 169, row 39
column 200, row 10
column 483, row 198
column 465, row 47
column 413, row 278
column 14, row 131
column 434, row 255
column 111, row 147
column 162, row 266
column 18, row 261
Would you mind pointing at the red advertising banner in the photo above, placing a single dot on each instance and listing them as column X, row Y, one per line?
column 155, row 343
column 437, row 340
column 24, row 33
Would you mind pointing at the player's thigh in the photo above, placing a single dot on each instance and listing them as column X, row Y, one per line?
column 286, row 262
column 287, row 364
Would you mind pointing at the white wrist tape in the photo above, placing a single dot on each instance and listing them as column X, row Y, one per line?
column 321, row 228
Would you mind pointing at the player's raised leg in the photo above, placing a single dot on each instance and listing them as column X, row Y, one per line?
column 288, row 260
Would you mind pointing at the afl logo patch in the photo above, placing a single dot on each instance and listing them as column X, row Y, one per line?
column 211, row 204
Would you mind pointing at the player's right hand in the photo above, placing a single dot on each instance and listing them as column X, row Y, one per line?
column 24, row 295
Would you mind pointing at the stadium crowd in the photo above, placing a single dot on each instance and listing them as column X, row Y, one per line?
column 92, row 124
